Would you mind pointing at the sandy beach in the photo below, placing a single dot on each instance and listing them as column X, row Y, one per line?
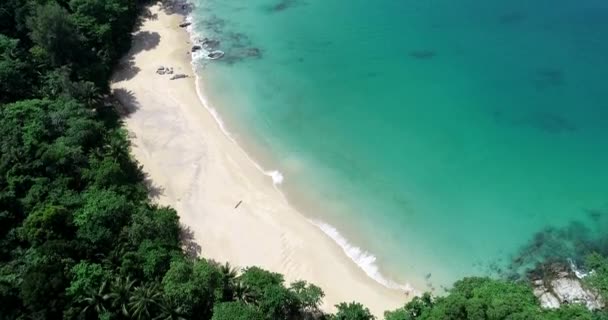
column 195, row 168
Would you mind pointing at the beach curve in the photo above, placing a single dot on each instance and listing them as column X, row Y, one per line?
column 204, row 174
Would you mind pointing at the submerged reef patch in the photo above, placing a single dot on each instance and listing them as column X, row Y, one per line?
column 422, row 54
column 511, row 17
column 283, row 5
column 548, row 78
column 560, row 246
column 547, row 122
column 235, row 46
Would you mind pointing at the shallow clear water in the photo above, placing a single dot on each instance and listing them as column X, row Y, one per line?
column 439, row 136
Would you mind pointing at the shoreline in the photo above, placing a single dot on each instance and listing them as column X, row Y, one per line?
column 363, row 259
column 202, row 172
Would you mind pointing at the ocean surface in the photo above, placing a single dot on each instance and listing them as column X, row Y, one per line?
column 431, row 139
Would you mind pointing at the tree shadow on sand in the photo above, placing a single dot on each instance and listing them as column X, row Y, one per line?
column 125, row 70
column 124, row 101
column 154, row 190
column 144, row 41
column 146, row 14
column 189, row 245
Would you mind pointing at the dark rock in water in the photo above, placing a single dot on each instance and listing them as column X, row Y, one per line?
column 239, row 40
column 210, row 44
column 595, row 214
column 185, row 24
column 253, row 52
column 550, row 123
column 215, row 55
column 549, row 77
column 422, row 54
column 545, row 121
column 283, row 5
column 280, row 7
column 511, row 17
column 196, row 48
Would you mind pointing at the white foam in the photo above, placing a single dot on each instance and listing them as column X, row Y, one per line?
column 363, row 259
column 277, row 177
column 579, row 273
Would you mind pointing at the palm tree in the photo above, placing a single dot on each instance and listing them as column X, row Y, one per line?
column 243, row 293
column 144, row 301
column 168, row 311
column 120, row 293
column 95, row 302
column 229, row 276
column 229, row 272
column 87, row 92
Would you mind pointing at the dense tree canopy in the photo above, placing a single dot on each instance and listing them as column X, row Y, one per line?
column 79, row 238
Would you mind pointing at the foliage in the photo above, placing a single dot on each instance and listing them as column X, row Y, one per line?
column 267, row 289
column 194, row 285
column 309, row 295
column 79, row 238
column 352, row 311
column 13, row 79
column 236, row 311
column 55, row 34
column 598, row 279
column 487, row 299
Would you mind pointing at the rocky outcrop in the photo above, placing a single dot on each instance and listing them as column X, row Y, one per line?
column 164, row 70
column 566, row 288
column 210, row 44
column 215, row 55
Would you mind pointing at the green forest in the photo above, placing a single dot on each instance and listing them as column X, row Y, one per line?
column 79, row 238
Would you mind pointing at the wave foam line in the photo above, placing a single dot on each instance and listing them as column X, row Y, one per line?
column 363, row 259
column 276, row 176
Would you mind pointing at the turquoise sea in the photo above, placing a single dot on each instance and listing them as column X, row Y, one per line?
column 432, row 139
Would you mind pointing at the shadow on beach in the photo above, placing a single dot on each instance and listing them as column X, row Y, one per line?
column 142, row 41
column 189, row 245
column 125, row 102
column 125, row 70
column 145, row 40
column 154, row 190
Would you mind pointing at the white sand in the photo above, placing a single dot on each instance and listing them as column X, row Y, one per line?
column 203, row 174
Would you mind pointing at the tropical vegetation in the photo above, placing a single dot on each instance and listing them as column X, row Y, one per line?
column 79, row 238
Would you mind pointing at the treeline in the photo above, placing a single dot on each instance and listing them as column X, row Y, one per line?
column 79, row 238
